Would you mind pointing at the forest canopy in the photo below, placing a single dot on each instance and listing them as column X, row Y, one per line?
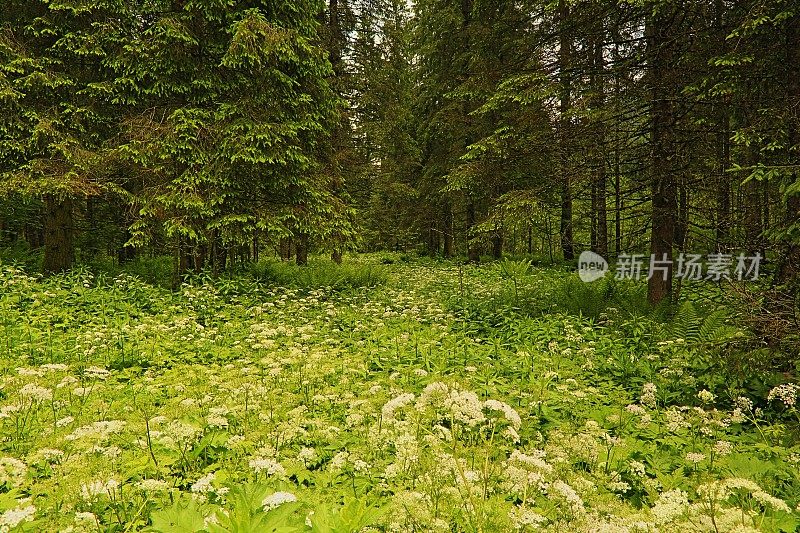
column 214, row 130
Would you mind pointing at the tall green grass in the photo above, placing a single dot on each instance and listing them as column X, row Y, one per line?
column 320, row 273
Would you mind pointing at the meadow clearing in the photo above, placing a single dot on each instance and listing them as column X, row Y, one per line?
column 402, row 397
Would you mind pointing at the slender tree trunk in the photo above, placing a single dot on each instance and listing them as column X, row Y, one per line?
column 59, row 249
column 530, row 239
column 682, row 226
column 285, row 248
column 302, row 249
column 184, row 256
column 661, row 51
column 617, row 148
column 448, row 231
column 599, row 148
column 723, row 185
column 473, row 255
column 497, row 246
column 789, row 266
column 565, row 46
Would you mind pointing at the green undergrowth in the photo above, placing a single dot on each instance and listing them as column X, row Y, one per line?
column 383, row 396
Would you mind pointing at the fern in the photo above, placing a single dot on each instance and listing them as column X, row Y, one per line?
column 696, row 328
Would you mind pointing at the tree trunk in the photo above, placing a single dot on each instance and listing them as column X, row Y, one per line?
column 599, row 149
column 682, row 225
column 617, row 148
column 473, row 255
column 448, row 231
column 565, row 45
column 497, row 245
column 125, row 254
column 59, row 250
column 285, row 249
column 302, row 249
column 789, row 266
column 661, row 52
column 723, row 193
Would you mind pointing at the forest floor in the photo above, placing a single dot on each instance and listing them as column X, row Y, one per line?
column 380, row 397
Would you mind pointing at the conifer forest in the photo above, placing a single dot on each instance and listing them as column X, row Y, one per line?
column 399, row 266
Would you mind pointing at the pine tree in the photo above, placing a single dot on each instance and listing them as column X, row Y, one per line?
column 57, row 115
column 232, row 109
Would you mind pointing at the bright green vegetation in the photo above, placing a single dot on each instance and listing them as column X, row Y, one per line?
column 382, row 397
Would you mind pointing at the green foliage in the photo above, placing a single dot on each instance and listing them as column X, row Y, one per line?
column 703, row 328
column 184, row 516
column 354, row 515
column 320, row 274
column 259, row 407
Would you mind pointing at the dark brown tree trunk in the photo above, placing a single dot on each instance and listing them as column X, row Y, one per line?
column 302, row 249
column 530, row 239
column 473, row 255
column 285, row 248
column 125, row 254
column 599, row 142
column 661, row 52
column 723, row 186
column 789, row 266
column 565, row 45
column 184, row 257
column 617, row 148
column 497, row 245
column 91, row 246
column 448, row 231
column 59, row 250
column 200, row 255
column 682, row 223
column 753, row 215
column 336, row 256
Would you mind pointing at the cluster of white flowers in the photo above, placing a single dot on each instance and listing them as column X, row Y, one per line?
column 669, row 506
column 786, row 393
column 217, row 417
column 706, row 396
column 398, row 402
column 637, row 469
column 152, row 485
column 508, row 412
column 721, row 490
column 97, row 431
column 465, row 407
column 277, row 499
column 204, row 485
column 722, row 448
column 648, row 396
column 182, row 433
column 96, row 372
column 12, row 471
column 66, row 381
column 50, row 455
column 14, row 517
column 563, row 490
column 95, row 489
column 35, row 393
column 269, row 466
column 67, row 420
column 307, row 456
column 526, row 518
column 695, row 457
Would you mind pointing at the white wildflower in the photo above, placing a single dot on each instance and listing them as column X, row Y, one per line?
column 277, row 499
